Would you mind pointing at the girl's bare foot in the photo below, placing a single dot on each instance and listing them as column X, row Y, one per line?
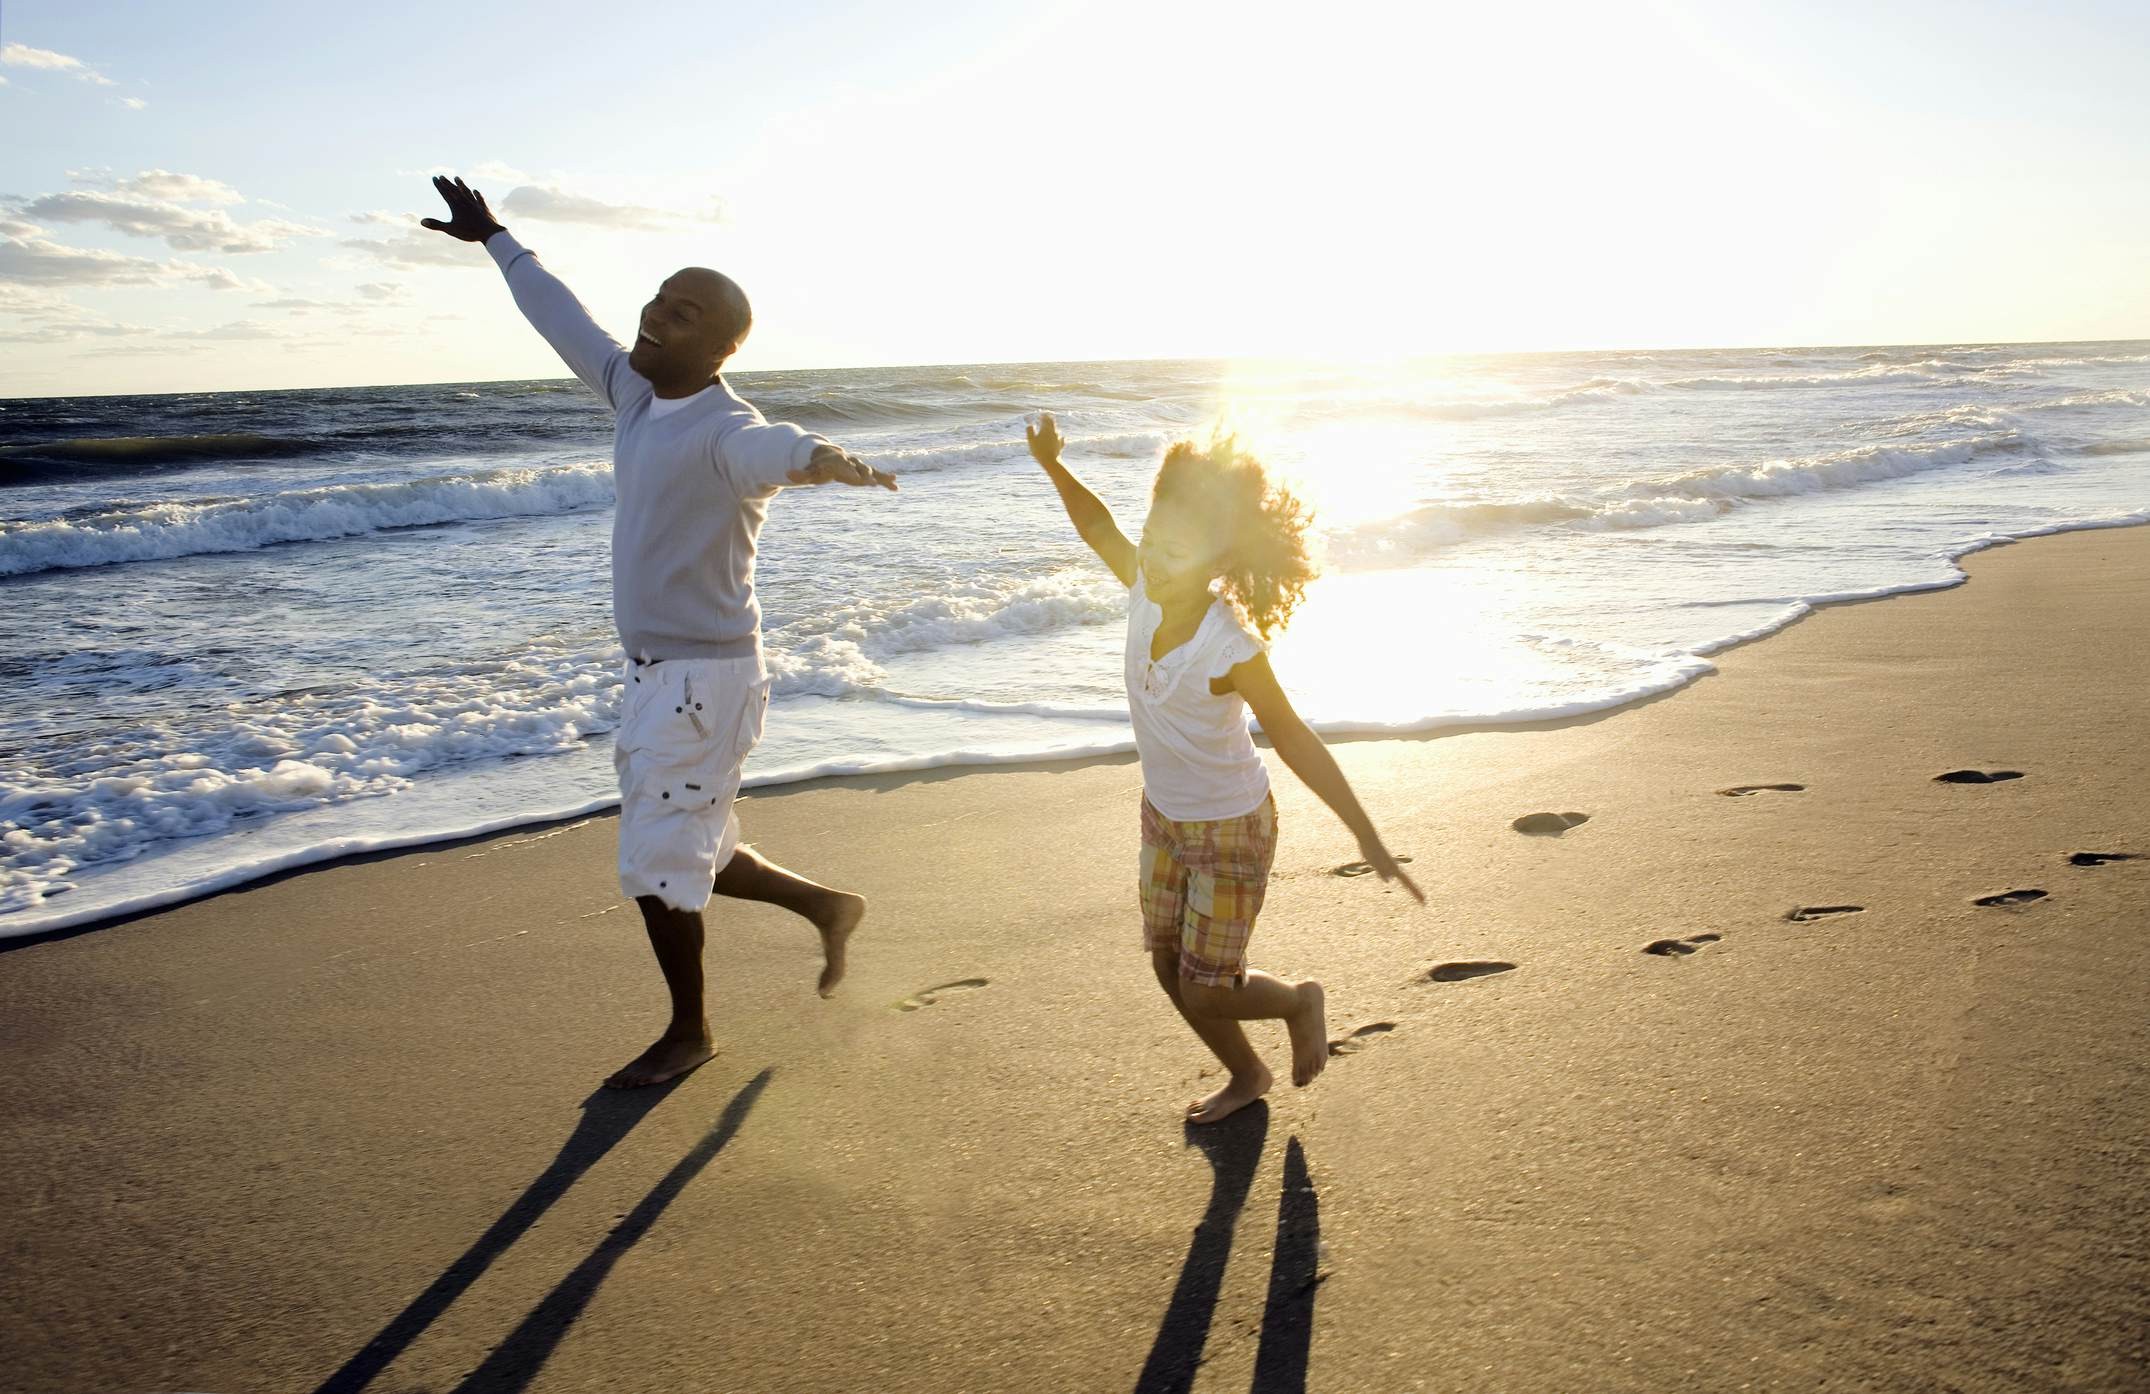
column 839, row 915
column 669, row 1058
column 1309, row 1027
column 1237, row 1093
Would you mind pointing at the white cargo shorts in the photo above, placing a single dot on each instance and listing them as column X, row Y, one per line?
column 686, row 726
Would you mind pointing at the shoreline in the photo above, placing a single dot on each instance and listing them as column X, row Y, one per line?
column 347, row 850
column 1770, row 1074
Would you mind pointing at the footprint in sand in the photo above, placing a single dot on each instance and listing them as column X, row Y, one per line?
column 1675, row 948
column 1359, row 868
column 1977, row 776
column 2009, row 900
column 1548, row 824
column 1463, row 972
column 1361, row 1038
column 926, row 997
column 1741, row 791
column 1821, row 912
column 2099, row 858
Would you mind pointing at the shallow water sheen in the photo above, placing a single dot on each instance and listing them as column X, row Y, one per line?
column 246, row 630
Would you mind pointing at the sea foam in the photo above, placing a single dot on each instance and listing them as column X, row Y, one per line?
column 164, row 531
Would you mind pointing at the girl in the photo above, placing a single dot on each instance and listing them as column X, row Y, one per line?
column 1223, row 549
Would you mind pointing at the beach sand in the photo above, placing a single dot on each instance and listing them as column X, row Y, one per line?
column 341, row 1127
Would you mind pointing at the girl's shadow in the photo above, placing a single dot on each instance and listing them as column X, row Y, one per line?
column 1234, row 1149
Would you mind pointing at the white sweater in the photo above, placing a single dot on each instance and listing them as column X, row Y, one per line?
column 692, row 483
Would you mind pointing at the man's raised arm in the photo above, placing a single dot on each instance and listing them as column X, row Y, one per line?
column 595, row 356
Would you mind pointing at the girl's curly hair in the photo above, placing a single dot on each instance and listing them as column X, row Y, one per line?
column 1264, row 567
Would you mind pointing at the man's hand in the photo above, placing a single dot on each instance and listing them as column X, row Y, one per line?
column 1377, row 856
column 468, row 218
column 1044, row 439
column 832, row 464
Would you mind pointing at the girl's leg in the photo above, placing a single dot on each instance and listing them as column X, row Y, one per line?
column 1250, row 1078
column 1301, row 1006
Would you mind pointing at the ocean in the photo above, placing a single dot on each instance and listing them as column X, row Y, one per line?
column 244, row 631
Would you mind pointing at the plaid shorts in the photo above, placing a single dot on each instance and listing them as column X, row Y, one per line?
column 1202, row 886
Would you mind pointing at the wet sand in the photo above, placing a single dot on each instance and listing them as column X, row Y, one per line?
column 339, row 1131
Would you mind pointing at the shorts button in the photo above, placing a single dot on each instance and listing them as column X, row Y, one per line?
column 679, row 709
column 661, row 885
column 667, row 794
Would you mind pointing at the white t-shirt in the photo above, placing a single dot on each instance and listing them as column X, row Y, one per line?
column 661, row 407
column 1198, row 758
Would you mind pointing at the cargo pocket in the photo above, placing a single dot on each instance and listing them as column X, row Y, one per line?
column 753, row 713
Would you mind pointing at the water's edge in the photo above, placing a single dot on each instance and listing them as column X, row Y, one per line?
column 335, row 851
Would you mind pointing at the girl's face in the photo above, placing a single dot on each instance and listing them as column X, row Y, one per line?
column 1178, row 550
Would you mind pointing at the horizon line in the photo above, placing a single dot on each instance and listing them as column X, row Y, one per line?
column 1174, row 358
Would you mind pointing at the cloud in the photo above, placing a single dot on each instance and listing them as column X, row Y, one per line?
column 217, row 278
column 150, row 342
column 416, row 247
column 33, row 260
column 133, row 103
column 550, row 203
column 167, row 185
column 46, row 318
column 15, row 55
column 69, row 333
column 237, row 329
column 181, row 228
column 39, row 261
column 387, row 291
column 383, row 217
column 303, row 305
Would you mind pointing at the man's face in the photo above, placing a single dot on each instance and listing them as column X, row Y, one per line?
column 684, row 332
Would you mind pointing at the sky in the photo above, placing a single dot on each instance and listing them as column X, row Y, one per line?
column 225, row 194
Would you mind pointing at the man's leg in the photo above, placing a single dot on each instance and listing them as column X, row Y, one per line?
column 834, row 913
column 676, row 936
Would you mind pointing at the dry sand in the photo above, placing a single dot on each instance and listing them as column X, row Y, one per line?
column 341, row 1127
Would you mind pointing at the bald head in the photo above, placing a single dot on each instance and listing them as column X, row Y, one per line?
column 724, row 300
column 694, row 323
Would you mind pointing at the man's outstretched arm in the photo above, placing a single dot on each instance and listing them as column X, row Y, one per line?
column 765, row 456
column 595, row 356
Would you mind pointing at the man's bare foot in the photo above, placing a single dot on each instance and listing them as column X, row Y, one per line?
column 840, row 914
column 1309, row 1027
column 667, row 1059
column 1236, row 1095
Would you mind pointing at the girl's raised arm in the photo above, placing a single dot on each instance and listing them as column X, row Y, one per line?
column 1092, row 519
column 1303, row 753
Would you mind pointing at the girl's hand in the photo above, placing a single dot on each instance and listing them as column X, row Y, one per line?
column 1044, row 439
column 1384, row 865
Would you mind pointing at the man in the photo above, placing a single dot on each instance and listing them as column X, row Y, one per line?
column 694, row 468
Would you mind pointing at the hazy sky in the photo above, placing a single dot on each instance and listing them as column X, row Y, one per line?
column 224, row 194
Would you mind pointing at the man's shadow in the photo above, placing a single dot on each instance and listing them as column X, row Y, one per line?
column 1234, row 1150
column 608, row 1115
